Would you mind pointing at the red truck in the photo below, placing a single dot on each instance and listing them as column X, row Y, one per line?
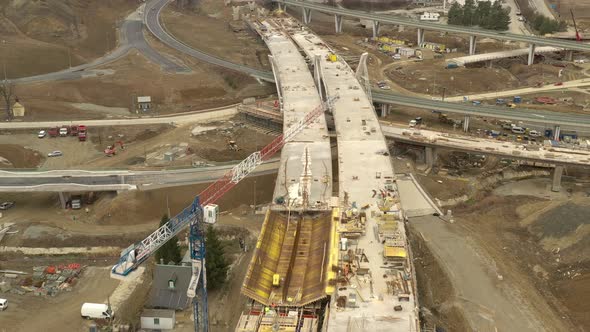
column 53, row 132
column 74, row 131
column 81, row 133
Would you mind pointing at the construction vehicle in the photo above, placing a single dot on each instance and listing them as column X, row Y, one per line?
column 203, row 210
column 232, row 145
column 578, row 37
column 53, row 132
column 332, row 57
column 111, row 150
column 81, row 133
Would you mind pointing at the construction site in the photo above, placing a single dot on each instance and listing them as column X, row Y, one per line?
column 351, row 176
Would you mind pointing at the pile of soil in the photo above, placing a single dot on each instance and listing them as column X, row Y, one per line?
column 16, row 156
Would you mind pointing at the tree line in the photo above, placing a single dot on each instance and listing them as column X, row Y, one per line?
column 485, row 14
column 216, row 263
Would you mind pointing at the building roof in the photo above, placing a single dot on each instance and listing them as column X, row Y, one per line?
column 158, row 313
column 144, row 99
column 161, row 296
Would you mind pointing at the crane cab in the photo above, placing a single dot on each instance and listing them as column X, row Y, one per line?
column 211, row 212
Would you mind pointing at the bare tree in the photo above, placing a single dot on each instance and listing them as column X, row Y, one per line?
column 7, row 94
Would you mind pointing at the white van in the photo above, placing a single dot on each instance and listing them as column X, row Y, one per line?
column 534, row 133
column 412, row 123
column 96, row 311
column 517, row 130
column 3, row 304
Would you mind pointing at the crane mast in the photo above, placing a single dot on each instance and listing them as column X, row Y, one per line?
column 193, row 216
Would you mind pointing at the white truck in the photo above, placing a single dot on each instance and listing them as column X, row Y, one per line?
column 3, row 304
column 96, row 311
column 426, row 16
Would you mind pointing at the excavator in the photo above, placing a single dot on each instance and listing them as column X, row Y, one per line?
column 111, row 150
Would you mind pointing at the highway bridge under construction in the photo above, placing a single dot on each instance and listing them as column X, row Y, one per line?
column 330, row 260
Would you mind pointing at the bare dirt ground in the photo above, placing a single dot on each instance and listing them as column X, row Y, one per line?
column 437, row 309
column 134, row 76
column 16, row 156
column 145, row 146
column 61, row 31
column 60, row 313
column 219, row 34
column 548, row 236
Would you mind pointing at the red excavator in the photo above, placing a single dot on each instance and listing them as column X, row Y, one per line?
column 111, row 150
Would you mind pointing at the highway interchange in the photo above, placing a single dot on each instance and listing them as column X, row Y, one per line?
column 133, row 37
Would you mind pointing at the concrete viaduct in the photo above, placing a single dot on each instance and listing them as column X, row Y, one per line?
column 421, row 26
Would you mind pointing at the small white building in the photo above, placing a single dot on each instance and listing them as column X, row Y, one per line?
column 144, row 103
column 158, row 319
column 426, row 16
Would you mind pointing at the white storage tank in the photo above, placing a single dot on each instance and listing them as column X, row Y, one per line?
column 211, row 212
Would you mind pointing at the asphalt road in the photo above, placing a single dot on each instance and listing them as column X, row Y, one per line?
column 480, row 295
column 154, row 8
column 473, row 31
column 130, row 37
column 56, row 181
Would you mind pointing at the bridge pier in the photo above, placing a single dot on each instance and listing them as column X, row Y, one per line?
column 385, row 108
column 430, row 156
column 569, row 55
column 466, row 123
column 282, row 7
column 531, row 58
column 420, row 36
column 376, row 26
column 556, row 133
column 557, row 172
column 338, row 23
column 306, row 15
column 63, row 200
column 472, row 45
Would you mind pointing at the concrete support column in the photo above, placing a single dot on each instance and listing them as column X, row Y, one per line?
column 338, row 23
column 466, row 123
column 556, row 133
column 420, row 36
column 282, row 7
column 62, row 200
column 569, row 55
column 385, row 110
column 557, row 172
column 472, row 45
column 306, row 15
column 430, row 156
column 376, row 26
column 531, row 58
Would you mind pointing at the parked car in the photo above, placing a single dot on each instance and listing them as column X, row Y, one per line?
column 412, row 123
column 534, row 133
column 42, row 134
column 558, row 83
column 55, row 154
column 6, row 205
column 3, row 304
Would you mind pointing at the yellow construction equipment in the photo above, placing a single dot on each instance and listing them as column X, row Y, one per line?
column 332, row 57
column 276, row 280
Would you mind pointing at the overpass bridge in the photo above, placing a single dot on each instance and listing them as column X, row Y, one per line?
column 370, row 211
column 290, row 266
column 421, row 26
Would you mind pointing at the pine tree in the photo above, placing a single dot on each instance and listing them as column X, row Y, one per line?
column 500, row 17
column 482, row 14
column 455, row 14
column 170, row 251
column 216, row 263
column 469, row 13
